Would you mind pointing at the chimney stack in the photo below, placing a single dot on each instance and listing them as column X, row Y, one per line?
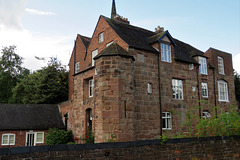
column 159, row 29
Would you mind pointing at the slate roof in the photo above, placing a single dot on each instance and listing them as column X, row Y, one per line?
column 140, row 38
column 114, row 50
column 85, row 40
column 29, row 117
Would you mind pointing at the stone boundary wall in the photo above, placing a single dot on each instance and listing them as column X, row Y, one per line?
column 209, row 148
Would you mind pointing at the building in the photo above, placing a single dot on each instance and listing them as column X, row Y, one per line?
column 133, row 84
column 27, row 125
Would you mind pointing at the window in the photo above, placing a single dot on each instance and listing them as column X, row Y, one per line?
column 220, row 65
column 206, row 114
column 177, row 88
column 222, row 91
column 109, row 43
column 167, row 121
column 166, row 53
column 76, row 67
column 101, row 37
column 96, row 71
column 32, row 138
column 94, row 53
column 91, row 88
column 40, row 137
column 191, row 66
column 203, row 65
column 204, row 90
column 149, row 88
column 8, row 139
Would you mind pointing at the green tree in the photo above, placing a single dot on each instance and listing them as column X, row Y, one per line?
column 237, row 85
column 57, row 136
column 48, row 85
column 10, row 72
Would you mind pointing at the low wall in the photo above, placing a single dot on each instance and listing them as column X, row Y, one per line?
column 210, row 148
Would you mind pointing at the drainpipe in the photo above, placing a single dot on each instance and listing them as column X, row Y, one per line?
column 66, row 121
column 159, row 89
column 214, row 88
column 199, row 104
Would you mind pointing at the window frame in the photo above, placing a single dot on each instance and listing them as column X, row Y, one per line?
column 225, row 95
column 109, row 43
column 203, row 65
column 149, row 88
column 206, row 114
column 168, row 120
column 90, row 87
column 204, row 84
column 177, row 88
column 36, row 137
column 94, row 53
column 77, row 67
column 8, row 139
column 221, row 66
column 101, row 37
column 166, row 55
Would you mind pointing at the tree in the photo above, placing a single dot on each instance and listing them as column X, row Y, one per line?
column 237, row 85
column 48, row 85
column 10, row 72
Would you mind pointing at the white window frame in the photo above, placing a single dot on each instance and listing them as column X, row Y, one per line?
column 8, row 139
column 94, row 53
column 166, row 53
column 36, row 135
column 204, row 90
column 149, row 87
column 220, row 65
column 91, row 88
column 177, row 88
column 167, row 119
column 77, row 67
column 206, row 114
column 35, row 138
column 222, row 91
column 203, row 65
column 101, row 37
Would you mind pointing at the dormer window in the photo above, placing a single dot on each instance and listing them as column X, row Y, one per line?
column 220, row 65
column 203, row 65
column 166, row 53
column 101, row 37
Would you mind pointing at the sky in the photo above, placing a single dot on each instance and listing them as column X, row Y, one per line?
column 48, row 28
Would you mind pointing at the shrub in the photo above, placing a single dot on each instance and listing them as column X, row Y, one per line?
column 56, row 136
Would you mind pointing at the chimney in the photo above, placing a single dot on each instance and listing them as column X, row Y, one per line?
column 115, row 16
column 159, row 29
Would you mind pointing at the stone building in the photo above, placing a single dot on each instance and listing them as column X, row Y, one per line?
column 133, row 84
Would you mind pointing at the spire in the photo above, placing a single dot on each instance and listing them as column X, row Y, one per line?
column 114, row 12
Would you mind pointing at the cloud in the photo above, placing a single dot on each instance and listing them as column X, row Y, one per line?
column 37, row 12
column 10, row 13
column 236, row 64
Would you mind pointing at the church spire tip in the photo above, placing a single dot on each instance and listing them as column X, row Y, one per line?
column 114, row 12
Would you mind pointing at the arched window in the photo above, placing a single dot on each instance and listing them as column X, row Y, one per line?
column 89, row 120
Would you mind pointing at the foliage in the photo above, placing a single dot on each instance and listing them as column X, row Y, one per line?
column 48, row 85
column 10, row 72
column 88, row 138
column 110, row 139
column 237, row 85
column 56, row 136
column 163, row 139
column 225, row 124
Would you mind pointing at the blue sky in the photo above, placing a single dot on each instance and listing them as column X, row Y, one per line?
column 46, row 28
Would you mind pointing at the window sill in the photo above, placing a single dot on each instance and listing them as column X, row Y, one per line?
column 224, row 101
column 167, row 129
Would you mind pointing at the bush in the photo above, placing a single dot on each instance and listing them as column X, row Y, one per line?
column 226, row 124
column 56, row 136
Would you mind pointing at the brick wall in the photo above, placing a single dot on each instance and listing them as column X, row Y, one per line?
column 209, row 148
column 20, row 137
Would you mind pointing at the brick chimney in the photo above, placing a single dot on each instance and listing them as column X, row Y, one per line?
column 159, row 29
